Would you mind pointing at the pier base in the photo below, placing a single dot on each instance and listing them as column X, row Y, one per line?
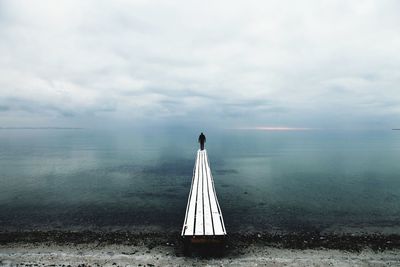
column 204, row 246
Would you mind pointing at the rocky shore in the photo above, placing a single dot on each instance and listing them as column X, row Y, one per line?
column 58, row 248
column 234, row 241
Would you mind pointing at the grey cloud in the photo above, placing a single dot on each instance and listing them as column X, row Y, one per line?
column 43, row 108
column 231, row 63
column 4, row 108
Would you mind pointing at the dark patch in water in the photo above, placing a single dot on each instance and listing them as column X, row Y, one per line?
column 391, row 198
column 91, row 217
column 178, row 167
column 226, row 171
column 163, row 194
column 127, row 168
column 160, row 195
column 181, row 167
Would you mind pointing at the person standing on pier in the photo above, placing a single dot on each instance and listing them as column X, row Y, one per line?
column 202, row 140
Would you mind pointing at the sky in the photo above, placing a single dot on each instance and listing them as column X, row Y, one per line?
column 237, row 64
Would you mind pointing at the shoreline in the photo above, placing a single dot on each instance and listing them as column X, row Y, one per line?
column 233, row 241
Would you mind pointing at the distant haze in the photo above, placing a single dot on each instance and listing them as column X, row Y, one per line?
column 232, row 64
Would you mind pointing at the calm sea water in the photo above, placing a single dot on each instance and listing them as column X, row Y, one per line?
column 140, row 180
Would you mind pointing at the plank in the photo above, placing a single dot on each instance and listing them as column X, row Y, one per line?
column 199, row 222
column 208, row 221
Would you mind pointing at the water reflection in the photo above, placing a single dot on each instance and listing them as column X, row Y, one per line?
column 265, row 181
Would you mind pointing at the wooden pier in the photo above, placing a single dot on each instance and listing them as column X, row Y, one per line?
column 203, row 219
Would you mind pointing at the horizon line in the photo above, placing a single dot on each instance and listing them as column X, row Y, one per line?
column 276, row 128
column 41, row 128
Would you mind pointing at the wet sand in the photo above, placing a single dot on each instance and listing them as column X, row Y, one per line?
column 152, row 249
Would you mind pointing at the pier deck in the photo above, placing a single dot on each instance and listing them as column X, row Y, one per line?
column 203, row 213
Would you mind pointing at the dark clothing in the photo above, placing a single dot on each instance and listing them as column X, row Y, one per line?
column 202, row 140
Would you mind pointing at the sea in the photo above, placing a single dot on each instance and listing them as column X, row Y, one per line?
column 139, row 179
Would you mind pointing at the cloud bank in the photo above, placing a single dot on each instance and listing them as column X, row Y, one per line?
column 220, row 63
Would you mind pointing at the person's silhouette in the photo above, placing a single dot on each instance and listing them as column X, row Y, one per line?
column 202, row 140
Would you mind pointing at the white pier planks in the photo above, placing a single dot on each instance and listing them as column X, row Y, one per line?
column 203, row 213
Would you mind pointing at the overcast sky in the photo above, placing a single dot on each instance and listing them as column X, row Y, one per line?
column 307, row 64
